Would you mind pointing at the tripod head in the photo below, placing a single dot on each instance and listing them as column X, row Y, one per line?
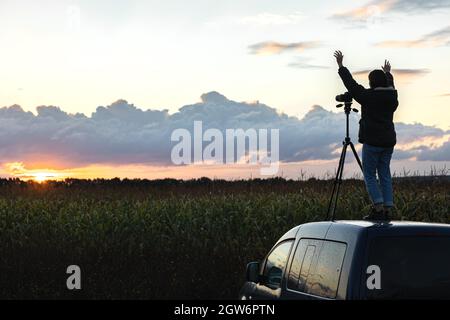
column 347, row 107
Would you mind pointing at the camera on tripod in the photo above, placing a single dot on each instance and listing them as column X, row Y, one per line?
column 347, row 100
column 345, row 97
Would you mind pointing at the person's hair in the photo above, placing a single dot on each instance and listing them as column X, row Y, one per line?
column 377, row 78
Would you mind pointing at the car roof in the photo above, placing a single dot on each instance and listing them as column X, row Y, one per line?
column 391, row 224
column 347, row 229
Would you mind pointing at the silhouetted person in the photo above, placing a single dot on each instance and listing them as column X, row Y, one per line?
column 376, row 133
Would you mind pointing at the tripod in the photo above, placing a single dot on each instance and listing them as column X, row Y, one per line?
column 347, row 142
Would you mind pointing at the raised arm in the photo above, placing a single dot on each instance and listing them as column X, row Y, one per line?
column 387, row 69
column 355, row 89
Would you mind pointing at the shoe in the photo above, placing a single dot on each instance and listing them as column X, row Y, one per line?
column 376, row 215
column 387, row 215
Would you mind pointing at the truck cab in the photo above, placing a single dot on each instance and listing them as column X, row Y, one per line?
column 348, row 260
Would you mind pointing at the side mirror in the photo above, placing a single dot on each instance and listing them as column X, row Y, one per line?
column 252, row 273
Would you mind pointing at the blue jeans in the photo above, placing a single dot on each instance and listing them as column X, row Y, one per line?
column 377, row 160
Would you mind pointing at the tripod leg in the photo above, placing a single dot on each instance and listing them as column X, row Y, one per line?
column 344, row 151
column 336, row 180
column 356, row 155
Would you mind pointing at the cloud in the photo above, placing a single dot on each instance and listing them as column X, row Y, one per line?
column 304, row 63
column 122, row 134
column 362, row 13
column 376, row 8
column 272, row 19
column 272, row 47
column 419, row 5
column 437, row 38
column 260, row 20
column 403, row 75
column 438, row 154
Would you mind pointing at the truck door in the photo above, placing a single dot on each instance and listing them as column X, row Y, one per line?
column 272, row 274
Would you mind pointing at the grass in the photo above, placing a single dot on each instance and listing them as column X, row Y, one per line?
column 168, row 239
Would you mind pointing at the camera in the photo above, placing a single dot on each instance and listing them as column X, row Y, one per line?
column 345, row 97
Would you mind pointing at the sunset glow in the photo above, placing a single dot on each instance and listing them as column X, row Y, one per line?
column 43, row 176
column 19, row 170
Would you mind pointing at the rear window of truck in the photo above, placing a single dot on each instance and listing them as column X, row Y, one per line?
column 411, row 267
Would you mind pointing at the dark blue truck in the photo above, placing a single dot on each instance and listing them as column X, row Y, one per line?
column 339, row 260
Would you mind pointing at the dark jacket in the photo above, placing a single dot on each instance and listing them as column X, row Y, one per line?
column 378, row 105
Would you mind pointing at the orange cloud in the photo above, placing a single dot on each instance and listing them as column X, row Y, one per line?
column 403, row 75
column 378, row 7
column 133, row 171
column 366, row 11
column 402, row 44
column 18, row 170
column 435, row 39
column 294, row 170
column 272, row 47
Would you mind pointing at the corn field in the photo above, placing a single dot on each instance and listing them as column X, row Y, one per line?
column 169, row 239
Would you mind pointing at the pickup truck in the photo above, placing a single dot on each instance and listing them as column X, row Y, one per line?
column 348, row 260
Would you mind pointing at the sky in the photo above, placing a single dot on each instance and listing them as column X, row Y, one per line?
column 163, row 55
